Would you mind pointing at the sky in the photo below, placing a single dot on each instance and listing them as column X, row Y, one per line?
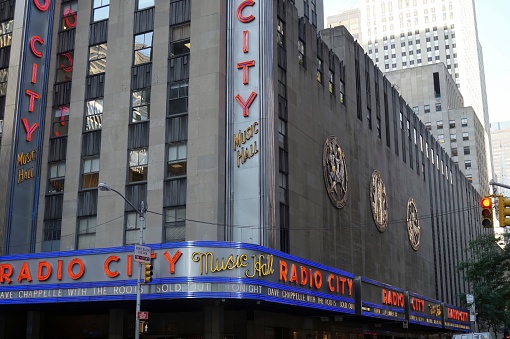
column 493, row 26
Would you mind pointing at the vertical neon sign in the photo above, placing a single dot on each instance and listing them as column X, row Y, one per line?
column 249, row 126
column 28, row 133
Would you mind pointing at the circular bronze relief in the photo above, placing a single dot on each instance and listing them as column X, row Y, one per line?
column 379, row 201
column 335, row 172
column 413, row 224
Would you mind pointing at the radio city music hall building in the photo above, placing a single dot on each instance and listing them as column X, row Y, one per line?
column 291, row 192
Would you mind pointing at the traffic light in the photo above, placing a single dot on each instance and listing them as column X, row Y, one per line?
column 504, row 211
column 147, row 273
column 487, row 221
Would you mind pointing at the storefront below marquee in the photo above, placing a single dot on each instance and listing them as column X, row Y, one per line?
column 208, row 290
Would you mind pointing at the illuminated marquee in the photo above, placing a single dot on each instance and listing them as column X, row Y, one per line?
column 380, row 300
column 28, row 127
column 424, row 311
column 456, row 318
column 222, row 270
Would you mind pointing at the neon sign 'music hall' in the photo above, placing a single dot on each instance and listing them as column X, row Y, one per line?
column 28, row 128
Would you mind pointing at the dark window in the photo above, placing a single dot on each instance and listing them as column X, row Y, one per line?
column 426, row 108
column 87, row 232
column 467, row 150
column 180, row 43
column 69, row 15
column 319, row 70
column 437, row 88
column 175, row 222
column 178, row 97
column 65, row 67
column 301, row 52
column 280, row 33
column 60, row 124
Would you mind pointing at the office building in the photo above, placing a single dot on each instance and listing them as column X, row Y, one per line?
column 275, row 199
column 351, row 19
column 500, row 134
column 405, row 34
column 434, row 97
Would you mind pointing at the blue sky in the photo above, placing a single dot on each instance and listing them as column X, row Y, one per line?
column 493, row 25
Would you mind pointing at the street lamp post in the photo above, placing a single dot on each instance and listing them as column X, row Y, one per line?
column 141, row 213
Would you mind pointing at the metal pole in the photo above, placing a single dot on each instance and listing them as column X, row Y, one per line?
column 141, row 213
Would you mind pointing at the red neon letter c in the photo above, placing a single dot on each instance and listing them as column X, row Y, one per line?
column 42, row 8
column 239, row 12
column 33, row 40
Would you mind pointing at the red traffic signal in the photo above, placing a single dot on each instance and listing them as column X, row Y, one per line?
column 487, row 221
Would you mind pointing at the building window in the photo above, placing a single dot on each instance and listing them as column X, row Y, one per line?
column 132, row 228
column 439, row 124
column 180, row 43
column 138, row 165
column 87, row 232
column 175, row 223
column 60, row 124
column 319, row 70
column 453, row 137
column 90, row 174
column 438, row 107
column 467, row 150
column 440, row 138
column 177, row 159
column 467, row 164
column 454, row 152
column 51, row 235
column 342, row 92
column 93, row 114
column 464, row 122
column 416, row 109
column 4, row 72
column 178, row 97
column 65, row 67
column 428, row 126
column 57, row 173
column 101, row 10
column 452, row 123
column 140, row 103
column 143, row 48
column 426, row 108
column 301, row 52
column 280, row 33
column 331, row 82
column 97, row 59
column 465, row 136
column 6, row 33
column 69, row 15
column 142, row 4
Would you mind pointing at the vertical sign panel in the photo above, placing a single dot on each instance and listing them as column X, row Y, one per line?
column 28, row 133
column 244, row 119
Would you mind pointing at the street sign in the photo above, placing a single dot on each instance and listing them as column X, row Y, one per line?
column 143, row 254
column 143, row 315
